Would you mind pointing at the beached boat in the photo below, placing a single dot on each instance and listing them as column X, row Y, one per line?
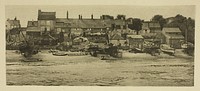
column 76, row 53
column 167, row 49
column 65, row 53
column 59, row 54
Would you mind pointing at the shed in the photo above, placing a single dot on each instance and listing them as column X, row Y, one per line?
column 173, row 37
column 135, row 41
column 118, row 40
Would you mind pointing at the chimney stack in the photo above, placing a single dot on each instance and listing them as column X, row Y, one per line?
column 39, row 11
column 92, row 16
column 67, row 15
column 79, row 16
column 15, row 18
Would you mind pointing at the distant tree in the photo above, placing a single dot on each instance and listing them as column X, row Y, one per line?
column 180, row 19
column 61, row 36
column 136, row 24
column 121, row 17
column 157, row 17
column 186, row 25
column 160, row 20
column 189, row 30
column 106, row 17
column 113, row 26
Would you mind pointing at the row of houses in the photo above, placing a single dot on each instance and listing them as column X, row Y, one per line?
column 106, row 30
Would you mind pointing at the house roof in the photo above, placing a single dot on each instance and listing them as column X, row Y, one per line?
column 167, row 30
column 149, row 35
column 14, row 22
column 82, row 23
column 145, row 25
column 119, row 22
column 116, row 37
column 15, row 31
column 59, row 24
column 32, row 24
column 46, row 15
column 154, row 25
column 90, row 23
column 23, row 28
column 135, row 36
column 33, row 29
column 175, row 36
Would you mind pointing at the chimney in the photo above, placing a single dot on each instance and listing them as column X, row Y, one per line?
column 79, row 16
column 39, row 11
column 15, row 18
column 92, row 16
column 67, row 15
column 32, row 22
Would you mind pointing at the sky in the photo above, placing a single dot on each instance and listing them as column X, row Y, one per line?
column 27, row 13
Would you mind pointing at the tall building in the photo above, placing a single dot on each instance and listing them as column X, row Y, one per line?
column 46, row 21
column 10, row 24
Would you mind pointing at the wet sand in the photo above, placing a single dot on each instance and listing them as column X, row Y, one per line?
column 132, row 70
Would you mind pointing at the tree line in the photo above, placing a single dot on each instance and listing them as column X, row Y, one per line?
column 186, row 25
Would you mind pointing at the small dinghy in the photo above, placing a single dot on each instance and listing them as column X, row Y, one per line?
column 167, row 49
column 59, row 54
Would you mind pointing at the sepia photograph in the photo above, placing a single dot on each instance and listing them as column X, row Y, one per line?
column 100, row 45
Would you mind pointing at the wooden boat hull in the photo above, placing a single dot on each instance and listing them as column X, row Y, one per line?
column 170, row 52
column 166, row 49
column 59, row 54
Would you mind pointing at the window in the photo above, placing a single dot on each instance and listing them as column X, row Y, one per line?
column 48, row 28
column 124, row 27
column 145, row 30
column 63, row 30
column 42, row 28
column 48, row 23
column 58, row 29
column 42, row 22
column 121, row 26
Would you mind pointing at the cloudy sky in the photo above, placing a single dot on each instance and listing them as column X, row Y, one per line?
column 27, row 13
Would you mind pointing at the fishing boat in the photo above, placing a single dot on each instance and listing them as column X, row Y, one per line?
column 167, row 49
column 76, row 53
column 59, row 54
